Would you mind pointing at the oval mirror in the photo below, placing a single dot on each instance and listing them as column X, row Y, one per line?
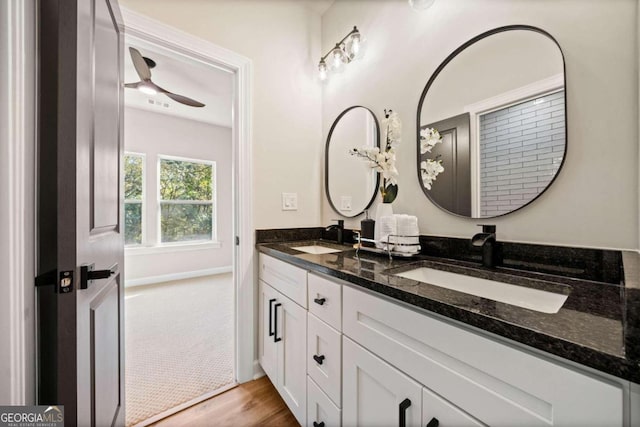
column 499, row 105
column 350, row 183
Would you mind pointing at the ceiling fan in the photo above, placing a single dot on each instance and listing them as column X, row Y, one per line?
column 143, row 67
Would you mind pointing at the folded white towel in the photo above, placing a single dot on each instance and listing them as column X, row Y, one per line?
column 408, row 234
column 387, row 228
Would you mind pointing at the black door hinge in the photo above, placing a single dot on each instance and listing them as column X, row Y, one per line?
column 237, row 241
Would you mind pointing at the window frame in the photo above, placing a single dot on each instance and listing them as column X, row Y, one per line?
column 213, row 202
column 143, row 200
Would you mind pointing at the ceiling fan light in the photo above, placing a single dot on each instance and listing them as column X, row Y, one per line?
column 147, row 89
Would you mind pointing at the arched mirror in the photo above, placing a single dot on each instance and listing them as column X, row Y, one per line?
column 499, row 105
column 350, row 183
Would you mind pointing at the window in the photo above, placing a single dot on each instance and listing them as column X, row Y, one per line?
column 133, row 198
column 186, row 200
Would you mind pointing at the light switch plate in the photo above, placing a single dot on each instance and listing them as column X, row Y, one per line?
column 345, row 203
column 289, row 201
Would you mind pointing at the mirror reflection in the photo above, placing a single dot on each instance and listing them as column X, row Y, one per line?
column 350, row 183
column 498, row 103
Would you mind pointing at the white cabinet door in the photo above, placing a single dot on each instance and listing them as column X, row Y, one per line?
column 268, row 352
column 291, row 340
column 375, row 393
column 438, row 412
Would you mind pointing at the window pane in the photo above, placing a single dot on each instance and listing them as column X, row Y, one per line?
column 133, row 177
column 133, row 223
column 181, row 180
column 181, row 223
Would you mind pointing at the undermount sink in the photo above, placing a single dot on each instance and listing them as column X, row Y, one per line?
column 316, row 249
column 520, row 296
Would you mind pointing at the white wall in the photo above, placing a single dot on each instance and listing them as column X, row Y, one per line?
column 158, row 134
column 282, row 38
column 594, row 200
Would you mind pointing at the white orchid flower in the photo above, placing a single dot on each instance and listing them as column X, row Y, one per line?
column 429, row 137
column 429, row 170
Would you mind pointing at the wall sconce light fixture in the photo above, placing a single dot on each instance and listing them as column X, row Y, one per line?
column 344, row 52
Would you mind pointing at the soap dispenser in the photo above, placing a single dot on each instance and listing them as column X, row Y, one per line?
column 367, row 227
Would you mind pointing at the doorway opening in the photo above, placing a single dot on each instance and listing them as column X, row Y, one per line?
column 179, row 231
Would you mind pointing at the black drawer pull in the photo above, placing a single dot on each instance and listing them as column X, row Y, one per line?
column 271, row 301
column 433, row 423
column 402, row 410
column 275, row 321
column 318, row 359
column 320, row 301
column 321, row 424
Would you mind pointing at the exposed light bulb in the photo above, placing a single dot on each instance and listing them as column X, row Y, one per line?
column 338, row 56
column 146, row 88
column 355, row 42
column 322, row 70
column 421, row 4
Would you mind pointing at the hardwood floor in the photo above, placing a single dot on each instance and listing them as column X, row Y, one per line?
column 256, row 403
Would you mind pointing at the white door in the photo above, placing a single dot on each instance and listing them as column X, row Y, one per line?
column 268, row 351
column 80, row 330
column 374, row 393
column 291, row 337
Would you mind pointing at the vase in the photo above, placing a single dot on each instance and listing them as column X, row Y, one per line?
column 383, row 209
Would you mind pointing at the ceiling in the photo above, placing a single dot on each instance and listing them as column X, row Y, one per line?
column 185, row 76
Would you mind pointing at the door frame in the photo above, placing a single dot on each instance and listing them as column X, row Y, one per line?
column 150, row 30
column 18, row 131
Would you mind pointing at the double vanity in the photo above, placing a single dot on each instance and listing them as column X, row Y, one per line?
column 351, row 338
column 469, row 332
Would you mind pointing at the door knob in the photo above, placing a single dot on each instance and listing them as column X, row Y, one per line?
column 88, row 274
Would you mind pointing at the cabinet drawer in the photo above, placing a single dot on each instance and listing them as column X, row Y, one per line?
column 324, row 343
column 320, row 409
column 325, row 300
column 495, row 383
column 435, row 408
column 289, row 280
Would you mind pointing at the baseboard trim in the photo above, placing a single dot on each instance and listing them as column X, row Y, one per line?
column 258, row 372
column 129, row 283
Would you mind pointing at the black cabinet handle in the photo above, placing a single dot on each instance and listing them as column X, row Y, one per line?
column 321, row 424
column 433, row 423
column 275, row 320
column 320, row 301
column 404, row 405
column 318, row 359
column 271, row 301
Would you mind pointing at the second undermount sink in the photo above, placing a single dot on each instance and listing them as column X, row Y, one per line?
column 316, row 249
column 520, row 296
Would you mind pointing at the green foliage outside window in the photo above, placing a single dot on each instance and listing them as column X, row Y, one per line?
column 133, row 199
column 191, row 183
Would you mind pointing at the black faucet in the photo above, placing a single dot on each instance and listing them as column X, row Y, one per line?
column 340, row 227
column 486, row 240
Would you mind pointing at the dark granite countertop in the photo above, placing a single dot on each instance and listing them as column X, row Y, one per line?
column 598, row 325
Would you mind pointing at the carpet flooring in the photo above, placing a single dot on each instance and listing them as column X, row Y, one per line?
column 178, row 343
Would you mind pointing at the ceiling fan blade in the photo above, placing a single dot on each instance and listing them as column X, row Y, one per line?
column 140, row 64
column 132, row 85
column 184, row 100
